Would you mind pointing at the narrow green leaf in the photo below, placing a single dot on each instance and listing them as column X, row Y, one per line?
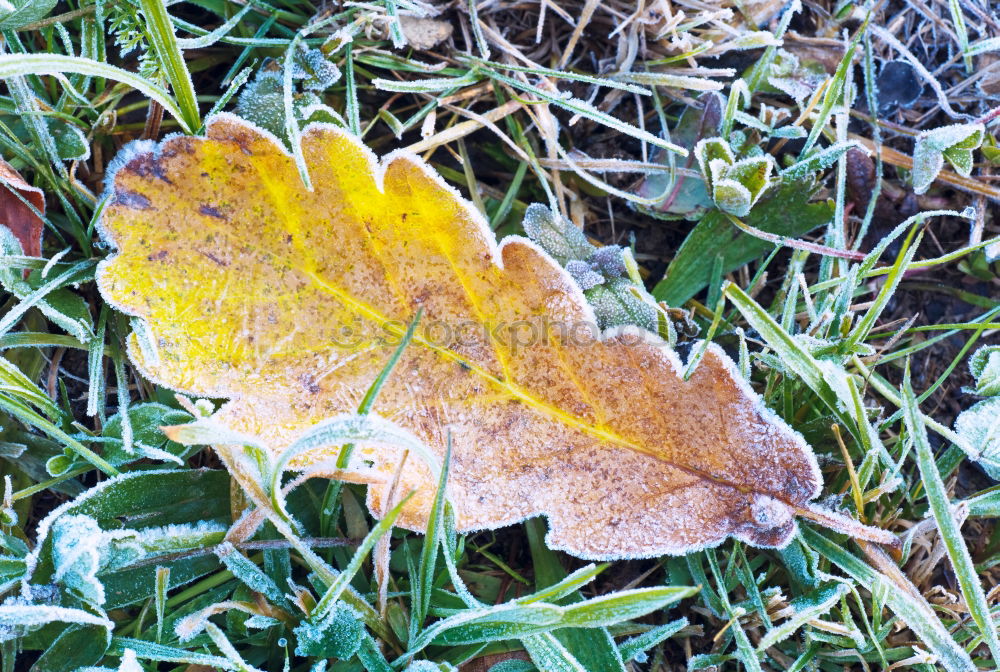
column 623, row 605
column 585, row 109
column 631, row 648
column 895, row 276
column 160, row 32
column 901, row 596
column 160, row 598
column 424, row 580
column 805, row 609
column 515, row 621
column 250, row 574
column 168, row 654
column 342, row 581
column 13, row 65
column 550, row 655
column 835, row 90
column 937, row 495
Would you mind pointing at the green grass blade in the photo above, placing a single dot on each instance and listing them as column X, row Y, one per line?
column 162, row 585
column 160, row 32
column 78, row 272
column 424, row 580
column 29, row 417
column 550, row 655
column 744, row 649
column 951, row 534
column 566, row 586
column 585, row 109
column 210, row 38
column 371, row 656
column 168, row 654
column 835, row 91
column 894, row 277
column 368, row 401
column 337, row 588
column 517, row 621
column 623, row 605
column 13, row 65
column 41, row 339
column 806, row 608
column 631, row 648
column 901, row 596
column 792, row 354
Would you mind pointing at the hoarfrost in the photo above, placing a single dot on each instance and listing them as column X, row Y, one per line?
column 616, row 303
column 338, row 635
column 503, row 479
column 176, row 536
column 18, row 617
column 557, row 236
column 608, row 261
column 600, row 272
column 428, row 666
column 312, row 66
column 129, row 663
column 985, row 368
column 789, row 76
column 954, row 143
column 979, row 426
column 261, row 622
column 81, row 549
column 262, row 102
column 585, row 276
column 735, row 186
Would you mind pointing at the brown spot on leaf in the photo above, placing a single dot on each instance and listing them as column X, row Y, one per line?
column 309, row 383
column 146, row 165
column 210, row 211
column 131, row 199
column 214, row 258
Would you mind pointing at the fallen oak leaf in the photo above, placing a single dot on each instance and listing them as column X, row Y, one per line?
column 288, row 302
column 17, row 198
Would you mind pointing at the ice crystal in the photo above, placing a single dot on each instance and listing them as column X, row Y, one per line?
column 557, row 236
column 338, row 635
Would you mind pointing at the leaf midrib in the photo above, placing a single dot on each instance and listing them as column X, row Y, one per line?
column 515, row 391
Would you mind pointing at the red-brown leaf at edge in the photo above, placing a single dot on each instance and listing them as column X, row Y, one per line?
column 17, row 215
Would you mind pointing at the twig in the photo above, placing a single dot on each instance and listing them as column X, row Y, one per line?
column 815, row 248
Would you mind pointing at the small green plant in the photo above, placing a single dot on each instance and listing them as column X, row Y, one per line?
column 954, row 144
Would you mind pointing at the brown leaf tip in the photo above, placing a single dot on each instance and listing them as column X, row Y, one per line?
column 17, row 198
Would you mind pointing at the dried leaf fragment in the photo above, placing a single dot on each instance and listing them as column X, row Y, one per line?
column 424, row 33
column 288, row 302
column 16, row 213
